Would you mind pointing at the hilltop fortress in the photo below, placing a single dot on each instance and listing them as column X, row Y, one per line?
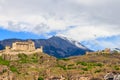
column 23, row 46
column 27, row 47
column 105, row 51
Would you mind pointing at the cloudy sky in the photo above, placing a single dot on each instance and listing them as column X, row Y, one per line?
column 92, row 22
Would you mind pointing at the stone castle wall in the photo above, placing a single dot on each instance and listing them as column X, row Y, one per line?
column 105, row 51
column 27, row 47
column 24, row 46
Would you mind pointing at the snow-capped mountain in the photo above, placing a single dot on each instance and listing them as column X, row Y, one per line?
column 115, row 49
column 74, row 42
column 57, row 46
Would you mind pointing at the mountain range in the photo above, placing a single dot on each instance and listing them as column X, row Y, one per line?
column 57, row 46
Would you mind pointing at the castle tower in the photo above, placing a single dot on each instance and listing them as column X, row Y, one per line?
column 40, row 49
column 107, row 50
column 31, row 45
column 7, row 47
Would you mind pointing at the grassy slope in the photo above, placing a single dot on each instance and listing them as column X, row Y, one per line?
column 40, row 65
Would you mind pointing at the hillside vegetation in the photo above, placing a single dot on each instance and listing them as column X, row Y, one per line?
column 40, row 66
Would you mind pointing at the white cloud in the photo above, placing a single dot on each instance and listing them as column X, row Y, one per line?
column 102, row 43
column 109, row 44
column 82, row 33
column 79, row 19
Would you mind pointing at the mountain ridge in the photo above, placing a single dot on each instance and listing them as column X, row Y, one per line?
column 54, row 46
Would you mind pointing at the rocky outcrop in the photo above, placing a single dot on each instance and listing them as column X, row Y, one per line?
column 6, row 74
column 9, row 57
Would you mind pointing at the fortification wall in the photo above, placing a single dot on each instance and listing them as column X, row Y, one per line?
column 25, row 46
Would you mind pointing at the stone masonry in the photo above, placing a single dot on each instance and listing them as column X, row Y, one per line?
column 24, row 46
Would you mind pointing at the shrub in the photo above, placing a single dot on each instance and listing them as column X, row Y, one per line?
column 71, row 65
column 34, row 59
column 64, row 59
column 13, row 69
column 82, row 63
column 62, row 66
column 116, row 68
column 84, row 69
column 23, row 61
column 40, row 78
column 89, row 67
column 97, row 71
column 90, row 64
column 4, row 62
column 99, row 64
column 28, row 59
column 22, row 55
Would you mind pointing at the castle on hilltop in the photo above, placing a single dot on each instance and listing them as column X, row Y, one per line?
column 28, row 46
column 105, row 51
column 24, row 46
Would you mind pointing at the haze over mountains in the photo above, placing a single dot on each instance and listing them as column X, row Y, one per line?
column 57, row 46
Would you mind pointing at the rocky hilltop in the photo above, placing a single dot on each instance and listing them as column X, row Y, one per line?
column 41, row 66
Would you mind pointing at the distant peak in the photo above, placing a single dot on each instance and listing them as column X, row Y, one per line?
column 72, row 41
column 116, row 49
column 64, row 37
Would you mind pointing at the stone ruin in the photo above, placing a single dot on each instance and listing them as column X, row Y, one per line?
column 105, row 51
column 23, row 46
column 27, row 47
